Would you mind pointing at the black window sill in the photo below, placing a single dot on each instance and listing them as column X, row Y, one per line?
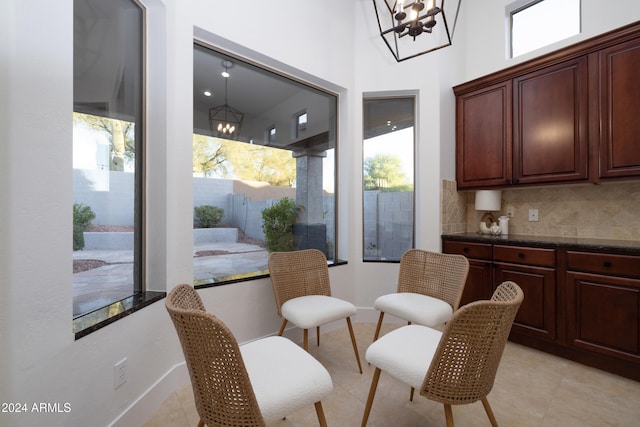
column 90, row 322
column 97, row 319
column 244, row 277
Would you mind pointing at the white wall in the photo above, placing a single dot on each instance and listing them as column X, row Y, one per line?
column 486, row 30
column 40, row 361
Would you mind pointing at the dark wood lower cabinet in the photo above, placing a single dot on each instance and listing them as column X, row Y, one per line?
column 480, row 278
column 603, row 315
column 537, row 314
column 479, row 281
column 582, row 305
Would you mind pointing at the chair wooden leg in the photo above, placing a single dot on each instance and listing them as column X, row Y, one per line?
column 318, row 335
column 284, row 323
column 305, row 341
column 448, row 414
column 487, row 409
column 411, row 394
column 353, row 342
column 321, row 419
column 372, row 393
column 375, row 337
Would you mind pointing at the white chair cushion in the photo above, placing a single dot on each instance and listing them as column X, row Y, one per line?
column 415, row 308
column 315, row 310
column 285, row 378
column 405, row 353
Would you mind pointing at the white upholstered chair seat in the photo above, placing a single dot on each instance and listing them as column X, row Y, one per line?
column 301, row 286
column 405, row 353
column 284, row 377
column 456, row 366
column 430, row 286
column 314, row 310
column 415, row 308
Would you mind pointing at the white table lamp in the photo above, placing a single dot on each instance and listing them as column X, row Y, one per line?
column 487, row 201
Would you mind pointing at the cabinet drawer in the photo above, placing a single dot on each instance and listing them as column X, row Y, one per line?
column 530, row 256
column 613, row 265
column 470, row 250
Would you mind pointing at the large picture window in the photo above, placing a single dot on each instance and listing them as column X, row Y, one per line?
column 258, row 186
column 388, row 151
column 107, row 158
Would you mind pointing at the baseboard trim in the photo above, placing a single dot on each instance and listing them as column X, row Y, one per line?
column 144, row 406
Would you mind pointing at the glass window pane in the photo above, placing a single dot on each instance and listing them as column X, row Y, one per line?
column 388, row 151
column 107, row 148
column 542, row 23
column 271, row 191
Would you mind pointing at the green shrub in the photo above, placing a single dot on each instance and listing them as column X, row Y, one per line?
column 277, row 225
column 208, row 216
column 82, row 217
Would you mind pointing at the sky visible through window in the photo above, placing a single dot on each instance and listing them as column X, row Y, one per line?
column 542, row 24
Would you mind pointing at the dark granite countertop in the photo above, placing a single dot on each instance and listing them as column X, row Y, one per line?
column 628, row 247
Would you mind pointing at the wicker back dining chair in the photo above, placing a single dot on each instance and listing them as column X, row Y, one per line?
column 300, row 281
column 453, row 367
column 249, row 385
column 430, row 286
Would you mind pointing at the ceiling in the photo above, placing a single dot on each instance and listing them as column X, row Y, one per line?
column 106, row 70
column 266, row 98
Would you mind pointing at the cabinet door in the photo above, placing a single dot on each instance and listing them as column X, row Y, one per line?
column 550, row 121
column 483, row 137
column 537, row 314
column 479, row 282
column 603, row 314
column 619, row 149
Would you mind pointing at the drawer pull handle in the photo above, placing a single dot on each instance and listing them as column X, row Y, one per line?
column 520, row 255
column 465, row 250
column 607, row 264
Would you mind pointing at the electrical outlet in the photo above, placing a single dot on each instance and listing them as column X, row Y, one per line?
column 511, row 211
column 533, row 215
column 120, row 373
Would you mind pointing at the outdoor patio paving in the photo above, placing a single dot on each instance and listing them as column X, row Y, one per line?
column 113, row 282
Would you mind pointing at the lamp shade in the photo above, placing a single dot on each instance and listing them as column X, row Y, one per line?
column 488, row 200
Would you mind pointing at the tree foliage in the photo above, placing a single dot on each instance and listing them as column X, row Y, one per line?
column 277, row 225
column 384, row 172
column 210, row 156
column 227, row 158
column 121, row 136
column 82, row 217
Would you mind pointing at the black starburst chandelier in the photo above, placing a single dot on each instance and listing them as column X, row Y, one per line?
column 414, row 27
column 225, row 120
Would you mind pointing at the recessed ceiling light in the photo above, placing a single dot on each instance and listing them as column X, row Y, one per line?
column 207, row 93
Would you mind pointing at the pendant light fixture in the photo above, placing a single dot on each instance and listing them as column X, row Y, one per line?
column 414, row 27
column 225, row 120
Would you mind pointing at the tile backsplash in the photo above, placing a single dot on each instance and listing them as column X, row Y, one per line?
column 607, row 211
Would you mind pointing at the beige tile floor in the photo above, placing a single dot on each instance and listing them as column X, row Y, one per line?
column 531, row 389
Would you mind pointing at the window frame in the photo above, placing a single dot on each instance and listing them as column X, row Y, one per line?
column 333, row 103
column 91, row 321
column 519, row 6
column 389, row 96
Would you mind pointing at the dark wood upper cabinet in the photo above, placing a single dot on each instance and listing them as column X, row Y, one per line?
column 568, row 116
column 483, row 150
column 550, row 124
column 620, row 110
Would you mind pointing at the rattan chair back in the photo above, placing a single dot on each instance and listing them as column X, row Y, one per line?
column 298, row 273
column 437, row 275
column 464, row 366
column 221, row 386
